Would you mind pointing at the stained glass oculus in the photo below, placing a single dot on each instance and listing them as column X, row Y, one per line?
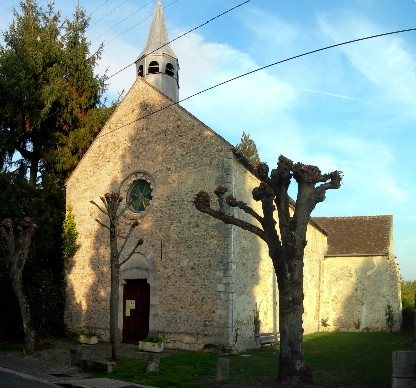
column 140, row 195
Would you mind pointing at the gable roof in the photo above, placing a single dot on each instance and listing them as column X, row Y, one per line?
column 356, row 236
column 168, row 104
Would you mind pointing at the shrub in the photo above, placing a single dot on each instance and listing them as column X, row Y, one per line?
column 390, row 319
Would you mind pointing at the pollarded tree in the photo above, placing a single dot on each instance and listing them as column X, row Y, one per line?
column 111, row 209
column 16, row 248
column 286, row 246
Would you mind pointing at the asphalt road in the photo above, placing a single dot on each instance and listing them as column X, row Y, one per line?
column 10, row 380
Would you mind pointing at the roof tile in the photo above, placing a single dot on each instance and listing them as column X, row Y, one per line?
column 364, row 235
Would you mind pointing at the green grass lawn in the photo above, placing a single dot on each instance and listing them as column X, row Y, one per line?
column 349, row 359
column 337, row 359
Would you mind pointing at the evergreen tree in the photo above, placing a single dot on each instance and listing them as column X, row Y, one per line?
column 248, row 147
column 50, row 106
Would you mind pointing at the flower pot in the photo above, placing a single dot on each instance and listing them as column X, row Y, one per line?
column 88, row 340
column 150, row 347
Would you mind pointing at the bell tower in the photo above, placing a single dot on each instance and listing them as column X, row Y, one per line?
column 157, row 63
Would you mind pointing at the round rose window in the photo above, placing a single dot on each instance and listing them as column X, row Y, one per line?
column 139, row 195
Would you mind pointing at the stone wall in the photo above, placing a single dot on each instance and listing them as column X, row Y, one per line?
column 312, row 277
column 206, row 278
column 255, row 284
column 255, row 281
column 183, row 251
column 357, row 292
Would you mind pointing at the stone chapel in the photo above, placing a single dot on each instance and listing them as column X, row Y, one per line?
column 195, row 280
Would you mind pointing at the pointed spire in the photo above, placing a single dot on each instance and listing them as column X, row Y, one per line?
column 158, row 40
column 157, row 63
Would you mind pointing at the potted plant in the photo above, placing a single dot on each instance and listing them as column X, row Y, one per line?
column 88, row 337
column 152, row 343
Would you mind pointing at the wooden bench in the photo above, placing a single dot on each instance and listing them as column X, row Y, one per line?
column 267, row 339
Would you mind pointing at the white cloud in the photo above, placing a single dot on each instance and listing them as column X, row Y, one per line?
column 368, row 169
column 273, row 36
column 250, row 102
column 386, row 62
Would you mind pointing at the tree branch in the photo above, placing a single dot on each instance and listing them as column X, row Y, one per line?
column 132, row 226
column 139, row 242
column 232, row 201
column 335, row 178
column 102, row 224
column 202, row 202
column 27, row 228
column 101, row 209
column 220, row 192
column 123, row 210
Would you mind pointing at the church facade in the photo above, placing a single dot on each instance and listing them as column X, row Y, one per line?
column 195, row 280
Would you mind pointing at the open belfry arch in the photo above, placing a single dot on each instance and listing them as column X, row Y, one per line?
column 157, row 63
column 197, row 281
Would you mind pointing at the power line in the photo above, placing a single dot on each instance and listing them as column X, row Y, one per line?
column 123, row 20
column 135, row 25
column 109, row 13
column 181, row 36
column 105, row 2
column 178, row 37
column 256, row 70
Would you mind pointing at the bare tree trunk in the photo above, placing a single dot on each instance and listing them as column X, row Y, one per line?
column 286, row 250
column 28, row 330
column 33, row 157
column 114, row 296
column 112, row 202
column 292, row 368
column 16, row 255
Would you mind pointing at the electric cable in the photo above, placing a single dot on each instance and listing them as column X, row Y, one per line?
column 180, row 36
column 109, row 13
column 135, row 25
column 256, row 70
column 105, row 2
column 121, row 21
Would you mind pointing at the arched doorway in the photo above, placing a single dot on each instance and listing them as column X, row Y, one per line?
column 136, row 305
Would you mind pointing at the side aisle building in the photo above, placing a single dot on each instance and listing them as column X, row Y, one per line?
column 196, row 280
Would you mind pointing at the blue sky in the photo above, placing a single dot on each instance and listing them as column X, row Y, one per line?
column 350, row 108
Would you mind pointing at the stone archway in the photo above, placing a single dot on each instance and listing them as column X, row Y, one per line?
column 138, row 273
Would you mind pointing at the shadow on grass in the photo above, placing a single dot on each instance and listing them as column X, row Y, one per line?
column 337, row 359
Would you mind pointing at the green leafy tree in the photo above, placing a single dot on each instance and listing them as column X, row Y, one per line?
column 408, row 290
column 50, row 107
column 248, row 148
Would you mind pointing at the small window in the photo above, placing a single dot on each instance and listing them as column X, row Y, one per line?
column 153, row 67
column 140, row 71
column 170, row 70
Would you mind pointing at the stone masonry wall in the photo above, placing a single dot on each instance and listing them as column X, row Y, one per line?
column 357, row 291
column 183, row 251
column 255, row 281
column 313, row 277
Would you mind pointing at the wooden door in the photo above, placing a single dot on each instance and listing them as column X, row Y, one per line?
column 136, row 306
